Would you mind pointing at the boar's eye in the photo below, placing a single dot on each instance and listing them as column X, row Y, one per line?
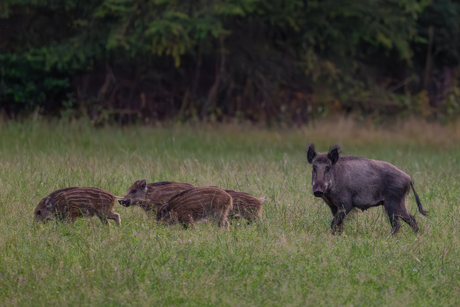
column 39, row 212
column 328, row 168
column 133, row 191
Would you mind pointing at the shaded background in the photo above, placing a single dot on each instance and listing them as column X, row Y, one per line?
column 272, row 61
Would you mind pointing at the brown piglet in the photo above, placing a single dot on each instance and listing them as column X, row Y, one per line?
column 69, row 203
column 152, row 196
column 196, row 204
column 245, row 205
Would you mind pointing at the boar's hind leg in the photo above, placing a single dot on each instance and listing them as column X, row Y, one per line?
column 411, row 221
column 406, row 217
column 393, row 215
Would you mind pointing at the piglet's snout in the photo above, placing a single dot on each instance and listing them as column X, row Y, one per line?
column 123, row 202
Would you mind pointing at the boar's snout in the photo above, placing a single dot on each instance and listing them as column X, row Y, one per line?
column 318, row 193
column 318, row 189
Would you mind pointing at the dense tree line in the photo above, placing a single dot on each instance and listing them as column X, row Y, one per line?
column 264, row 60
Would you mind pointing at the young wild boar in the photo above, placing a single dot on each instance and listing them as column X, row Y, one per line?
column 152, row 196
column 195, row 204
column 245, row 205
column 70, row 203
column 344, row 182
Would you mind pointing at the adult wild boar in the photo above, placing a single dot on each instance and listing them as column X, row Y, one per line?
column 152, row 196
column 196, row 204
column 345, row 182
column 69, row 203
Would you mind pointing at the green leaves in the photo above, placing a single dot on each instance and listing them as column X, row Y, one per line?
column 253, row 49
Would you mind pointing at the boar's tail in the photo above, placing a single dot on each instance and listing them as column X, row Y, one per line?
column 419, row 204
column 263, row 198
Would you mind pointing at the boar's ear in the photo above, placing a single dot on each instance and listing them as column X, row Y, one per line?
column 333, row 154
column 311, row 153
column 142, row 184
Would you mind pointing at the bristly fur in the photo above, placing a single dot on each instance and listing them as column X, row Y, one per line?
column 245, row 205
column 69, row 203
column 155, row 195
column 346, row 182
column 196, row 204
column 159, row 183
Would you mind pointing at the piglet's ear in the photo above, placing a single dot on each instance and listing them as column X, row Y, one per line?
column 333, row 154
column 142, row 184
column 311, row 153
column 165, row 209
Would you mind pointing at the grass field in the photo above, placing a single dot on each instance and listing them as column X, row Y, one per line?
column 289, row 258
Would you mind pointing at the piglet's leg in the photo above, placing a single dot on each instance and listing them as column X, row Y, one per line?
column 103, row 218
column 250, row 213
column 223, row 223
column 116, row 217
column 187, row 221
column 72, row 217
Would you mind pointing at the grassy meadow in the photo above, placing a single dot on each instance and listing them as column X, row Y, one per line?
column 289, row 258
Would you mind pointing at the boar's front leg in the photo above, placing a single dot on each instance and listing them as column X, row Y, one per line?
column 333, row 208
column 342, row 210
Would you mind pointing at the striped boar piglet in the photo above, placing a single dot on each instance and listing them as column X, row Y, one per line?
column 69, row 203
column 152, row 196
column 245, row 205
column 196, row 204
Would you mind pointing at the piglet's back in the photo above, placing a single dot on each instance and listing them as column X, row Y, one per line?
column 161, row 192
column 86, row 197
column 201, row 198
column 197, row 203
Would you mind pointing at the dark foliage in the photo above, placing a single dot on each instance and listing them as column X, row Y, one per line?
column 271, row 60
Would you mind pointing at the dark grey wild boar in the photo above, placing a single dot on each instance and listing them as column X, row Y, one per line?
column 196, row 204
column 344, row 182
column 69, row 203
column 152, row 196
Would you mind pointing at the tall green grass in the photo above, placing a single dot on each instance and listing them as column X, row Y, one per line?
column 289, row 258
